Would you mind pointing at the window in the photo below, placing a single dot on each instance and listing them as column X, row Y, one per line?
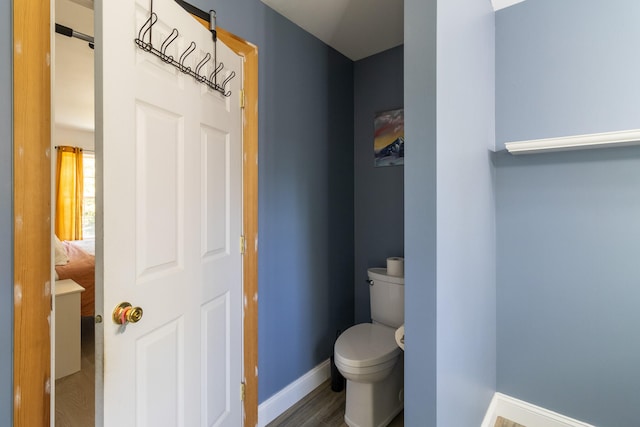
column 89, row 195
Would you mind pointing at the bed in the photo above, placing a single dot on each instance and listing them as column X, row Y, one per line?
column 79, row 267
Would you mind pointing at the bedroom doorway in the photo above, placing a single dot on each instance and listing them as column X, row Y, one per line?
column 73, row 200
column 32, row 356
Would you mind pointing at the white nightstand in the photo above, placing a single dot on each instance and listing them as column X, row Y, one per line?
column 67, row 333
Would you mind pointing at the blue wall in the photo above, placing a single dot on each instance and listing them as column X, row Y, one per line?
column 6, row 217
column 379, row 192
column 466, row 286
column 306, row 246
column 449, row 212
column 566, row 67
column 420, row 211
column 568, row 235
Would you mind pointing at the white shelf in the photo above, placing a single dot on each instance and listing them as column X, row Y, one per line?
column 576, row 142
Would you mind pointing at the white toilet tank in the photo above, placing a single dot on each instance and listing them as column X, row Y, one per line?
column 387, row 297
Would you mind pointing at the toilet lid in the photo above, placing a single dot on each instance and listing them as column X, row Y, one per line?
column 366, row 344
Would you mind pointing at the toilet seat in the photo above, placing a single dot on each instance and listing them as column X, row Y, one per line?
column 366, row 345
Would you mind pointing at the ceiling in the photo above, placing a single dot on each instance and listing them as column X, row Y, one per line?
column 355, row 28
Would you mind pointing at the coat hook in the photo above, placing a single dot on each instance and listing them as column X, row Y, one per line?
column 165, row 45
column 144, row 42
column 144, row 30
column 216, row 71
column 227, row 80
column 201, row 64
column 184, row 56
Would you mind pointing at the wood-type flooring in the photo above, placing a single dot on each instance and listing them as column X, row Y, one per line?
column 503, row 422
column 75, row 402
column 325, row 408
column 320, row 408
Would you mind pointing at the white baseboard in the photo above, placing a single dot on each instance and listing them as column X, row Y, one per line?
column 271, row 408
column 526, row 414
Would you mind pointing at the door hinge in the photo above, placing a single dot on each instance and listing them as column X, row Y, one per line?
column 243, row 245
column 242, row 98
column 242, row 387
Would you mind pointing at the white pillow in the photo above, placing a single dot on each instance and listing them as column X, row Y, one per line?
column 61, row 257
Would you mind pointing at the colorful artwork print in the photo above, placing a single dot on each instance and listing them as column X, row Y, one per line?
column 388, row 142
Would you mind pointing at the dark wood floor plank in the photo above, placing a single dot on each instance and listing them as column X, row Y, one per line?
column 503, row 422
column 320, row 408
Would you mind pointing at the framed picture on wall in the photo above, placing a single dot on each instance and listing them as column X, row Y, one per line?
column 388, row 141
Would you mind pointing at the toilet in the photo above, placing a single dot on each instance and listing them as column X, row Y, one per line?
column 368, row 356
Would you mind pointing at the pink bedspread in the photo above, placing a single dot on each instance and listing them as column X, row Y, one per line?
column 80, row 269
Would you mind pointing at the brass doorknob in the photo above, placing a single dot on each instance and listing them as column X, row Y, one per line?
column 124, row 313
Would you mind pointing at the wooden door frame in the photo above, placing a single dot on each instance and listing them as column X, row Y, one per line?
column 32, row 215
column 249, row 221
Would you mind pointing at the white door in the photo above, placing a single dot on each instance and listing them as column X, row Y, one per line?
column 171, row 155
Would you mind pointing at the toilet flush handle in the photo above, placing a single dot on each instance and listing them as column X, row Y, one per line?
column 370, row 282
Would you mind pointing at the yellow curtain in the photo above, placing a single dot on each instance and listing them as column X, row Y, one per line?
column 69, row 193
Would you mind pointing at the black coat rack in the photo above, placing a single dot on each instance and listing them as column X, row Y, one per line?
column 143, row 41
